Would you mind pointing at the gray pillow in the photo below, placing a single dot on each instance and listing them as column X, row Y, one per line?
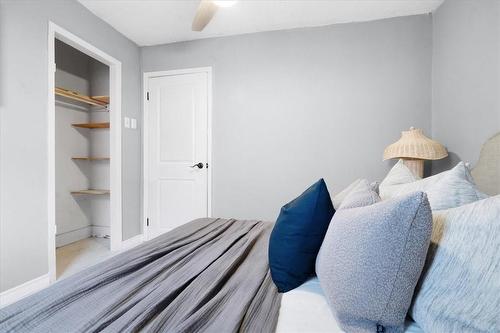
column 359, row 196
column 371, row 259
column 358, row 184
column 460, row 287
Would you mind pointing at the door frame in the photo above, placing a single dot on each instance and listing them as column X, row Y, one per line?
column 115, row 91
column 145, row 140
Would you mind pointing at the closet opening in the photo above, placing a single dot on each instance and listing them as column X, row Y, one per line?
column 84, row 154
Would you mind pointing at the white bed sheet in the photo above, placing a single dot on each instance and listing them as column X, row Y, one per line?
column 305, row 310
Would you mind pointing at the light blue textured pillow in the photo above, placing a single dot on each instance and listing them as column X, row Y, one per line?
column 447, row 189
column 398, row 180
column 452, row 190
column 459, row 289
column 371, row 259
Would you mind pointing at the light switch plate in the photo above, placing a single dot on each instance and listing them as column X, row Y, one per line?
column 127, row 122
column 133, row 123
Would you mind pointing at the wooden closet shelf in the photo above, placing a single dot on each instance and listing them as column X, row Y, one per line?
column 83, row 158
column 103, row 99
column 98, row 101
column 92, row 125
column 91, row 192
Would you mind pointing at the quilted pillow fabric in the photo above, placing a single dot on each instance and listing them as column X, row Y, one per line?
column 460, row 285
column 371, row 259
column 297, row 236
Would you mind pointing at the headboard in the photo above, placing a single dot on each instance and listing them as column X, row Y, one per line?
column 486, row 172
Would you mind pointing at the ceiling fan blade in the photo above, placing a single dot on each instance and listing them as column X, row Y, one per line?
column 206, row 10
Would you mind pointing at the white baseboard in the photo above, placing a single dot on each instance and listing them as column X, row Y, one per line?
column 131, row 242
column 82, row 233
column 15, row 294
column 73, row 236
column 100, row 231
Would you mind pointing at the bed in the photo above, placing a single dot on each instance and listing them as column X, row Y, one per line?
column 226, row 287
column 209, row 275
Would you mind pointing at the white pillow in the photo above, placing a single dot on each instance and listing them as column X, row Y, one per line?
column 399, row 180
column 398, row 175
column 460, row 284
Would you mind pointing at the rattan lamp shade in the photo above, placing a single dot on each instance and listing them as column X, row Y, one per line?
column 414, row 145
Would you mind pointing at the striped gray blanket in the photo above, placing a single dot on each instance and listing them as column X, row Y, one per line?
column 210, row 275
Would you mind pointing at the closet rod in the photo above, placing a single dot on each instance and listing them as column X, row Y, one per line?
column 102, row 101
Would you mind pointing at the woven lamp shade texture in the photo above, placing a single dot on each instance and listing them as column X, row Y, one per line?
column 414, row 144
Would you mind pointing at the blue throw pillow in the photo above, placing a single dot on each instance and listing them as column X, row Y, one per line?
column 297, row 236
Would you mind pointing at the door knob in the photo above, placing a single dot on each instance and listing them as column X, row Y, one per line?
column 197, row 165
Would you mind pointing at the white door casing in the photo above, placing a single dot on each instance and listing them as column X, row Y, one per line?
column 115, row 84
column 177, row 142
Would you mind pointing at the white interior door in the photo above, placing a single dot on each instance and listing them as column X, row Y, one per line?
column 178, row 150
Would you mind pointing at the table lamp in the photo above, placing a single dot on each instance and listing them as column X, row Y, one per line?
column 413, row 148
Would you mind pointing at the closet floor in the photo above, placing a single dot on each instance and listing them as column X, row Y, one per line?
column 79, row 255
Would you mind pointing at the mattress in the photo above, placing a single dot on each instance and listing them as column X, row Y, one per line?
column 305, row 309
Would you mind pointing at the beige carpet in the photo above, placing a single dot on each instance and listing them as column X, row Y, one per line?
column 79, row 255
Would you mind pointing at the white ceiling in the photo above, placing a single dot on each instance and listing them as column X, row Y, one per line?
column 151, row 22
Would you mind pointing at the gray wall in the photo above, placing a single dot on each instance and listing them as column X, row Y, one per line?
column 23, row 128
column 99, row 146
column 72, row 213
column 292, row 106
column 465, row 78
